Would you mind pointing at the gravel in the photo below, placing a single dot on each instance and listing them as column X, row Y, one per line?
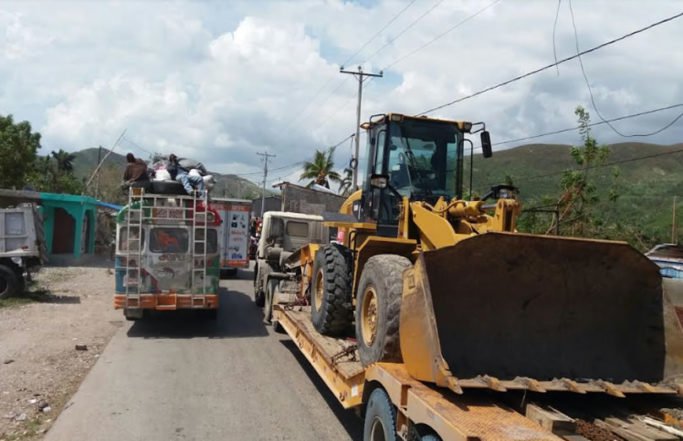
column 40, row 369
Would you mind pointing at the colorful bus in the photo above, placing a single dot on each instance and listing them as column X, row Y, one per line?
column 167, row 255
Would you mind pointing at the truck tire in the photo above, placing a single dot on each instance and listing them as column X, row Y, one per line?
column 380, row 418
column 331, row 308
column 134, row 314
column 228, row 273
column 259, row 295
column 209, row 314
column 10, row 284
column 168, row 187
column 268, row 306
column 430, row 437
column 378, row 308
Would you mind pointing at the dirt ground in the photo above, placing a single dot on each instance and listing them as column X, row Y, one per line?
column 49, row 340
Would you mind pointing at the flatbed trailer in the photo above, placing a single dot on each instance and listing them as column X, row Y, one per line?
column 427, row 412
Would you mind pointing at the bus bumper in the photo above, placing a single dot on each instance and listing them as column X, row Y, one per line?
column 166, row 302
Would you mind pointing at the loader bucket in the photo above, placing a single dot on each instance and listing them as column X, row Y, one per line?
column 501, row 310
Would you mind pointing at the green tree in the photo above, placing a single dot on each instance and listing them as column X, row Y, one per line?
column 64, row 160
column 321, row 169
column 18, row 149
column 577, row 203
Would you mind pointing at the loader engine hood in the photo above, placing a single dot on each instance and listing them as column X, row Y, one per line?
column 524, row 309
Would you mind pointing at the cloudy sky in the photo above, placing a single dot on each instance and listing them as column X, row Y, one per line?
column 221, row 81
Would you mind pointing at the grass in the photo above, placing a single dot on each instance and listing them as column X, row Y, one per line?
column 29, row 429
column 36, row 295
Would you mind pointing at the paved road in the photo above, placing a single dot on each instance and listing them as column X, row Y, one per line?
column 176, row 378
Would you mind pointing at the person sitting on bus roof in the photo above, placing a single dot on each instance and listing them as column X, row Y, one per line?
column 181, row 174
column 136, row 173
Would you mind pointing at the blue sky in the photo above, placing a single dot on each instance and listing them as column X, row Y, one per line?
column 220, row 81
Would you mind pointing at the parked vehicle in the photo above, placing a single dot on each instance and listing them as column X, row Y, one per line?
column 669, row 258
column 233, row 236
column 22, row 247
column 167, row 254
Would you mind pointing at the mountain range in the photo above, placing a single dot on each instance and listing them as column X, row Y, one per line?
column 646, row 178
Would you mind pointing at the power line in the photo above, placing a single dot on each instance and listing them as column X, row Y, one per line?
column 620, row 118
column 404, row 30
column 241, row 175
column 557, row 16
column 379, row 32
column 564, row 60
column 438, row 37
column 590, row 90
column 310, row 102
column 129, row 141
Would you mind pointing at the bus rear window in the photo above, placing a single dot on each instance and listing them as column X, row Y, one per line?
column 168, row 240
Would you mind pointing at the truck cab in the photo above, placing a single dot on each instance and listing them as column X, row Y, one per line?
column 282, row 234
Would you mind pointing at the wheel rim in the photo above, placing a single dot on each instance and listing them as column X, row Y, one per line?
column 377, row 430
column 368, row 316
column 319, row 290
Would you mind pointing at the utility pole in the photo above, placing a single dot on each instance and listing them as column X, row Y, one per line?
column 97, row 183
column 674, row 229
column 265, row 155
column 361, row 77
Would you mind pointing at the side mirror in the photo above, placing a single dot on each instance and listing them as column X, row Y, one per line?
column 486, row 150
column 379, row 181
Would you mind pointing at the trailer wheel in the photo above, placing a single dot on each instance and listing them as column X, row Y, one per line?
column 331, row 309
column 10, row 285
column 380, row 418
column 378, row 308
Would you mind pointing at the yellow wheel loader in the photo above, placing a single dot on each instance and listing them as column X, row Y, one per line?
column 449, row 288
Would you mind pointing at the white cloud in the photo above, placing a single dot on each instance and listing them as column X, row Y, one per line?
column 221, row 82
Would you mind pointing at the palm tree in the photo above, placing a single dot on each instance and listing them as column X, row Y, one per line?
column 320, row 170
column 346, row 182
column 64, row 160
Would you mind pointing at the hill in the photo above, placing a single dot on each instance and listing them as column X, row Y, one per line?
column 112, row 169
column 648, row 177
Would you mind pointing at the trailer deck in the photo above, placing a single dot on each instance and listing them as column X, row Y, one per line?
column 480, row 414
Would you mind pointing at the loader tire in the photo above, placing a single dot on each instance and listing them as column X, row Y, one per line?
column 378, row 309
column 331, row 307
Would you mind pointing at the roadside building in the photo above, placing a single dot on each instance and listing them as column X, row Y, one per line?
column 69, row 221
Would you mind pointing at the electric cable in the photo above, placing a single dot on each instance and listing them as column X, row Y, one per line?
column 404, row 30
column 546, row 67
column 592, row 97
column 443, row 34
column 570, row 129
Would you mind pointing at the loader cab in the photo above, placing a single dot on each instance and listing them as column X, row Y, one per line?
column 418, row 158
